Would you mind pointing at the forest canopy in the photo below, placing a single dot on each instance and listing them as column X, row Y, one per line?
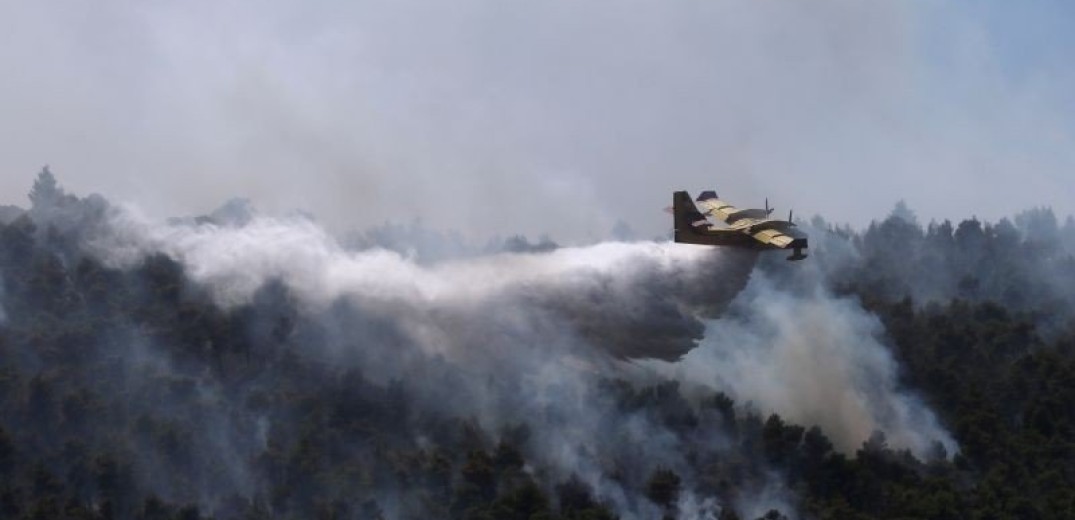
column 131, row 387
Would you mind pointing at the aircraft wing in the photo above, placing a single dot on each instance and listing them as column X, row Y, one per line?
column 753, row 222
column 773, row 237
column 711, row 205
column 777, row 233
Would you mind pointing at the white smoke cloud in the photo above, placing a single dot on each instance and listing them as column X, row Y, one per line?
column 529, row 334
column 518, row 328
column 770, row 496
column 499, row 318
column 814, row 359
column 233, row 261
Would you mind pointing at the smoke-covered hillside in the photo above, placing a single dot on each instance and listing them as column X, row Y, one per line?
column 239, row 365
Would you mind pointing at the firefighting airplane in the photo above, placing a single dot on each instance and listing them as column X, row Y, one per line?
column 749, row 228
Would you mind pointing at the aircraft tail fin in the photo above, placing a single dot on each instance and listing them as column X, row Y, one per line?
column 686, row 216
column 706, row 195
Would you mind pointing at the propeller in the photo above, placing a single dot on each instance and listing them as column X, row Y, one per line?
column 767, row 210
column 789, row 216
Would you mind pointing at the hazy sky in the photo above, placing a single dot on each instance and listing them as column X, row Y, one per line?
column 558, row 116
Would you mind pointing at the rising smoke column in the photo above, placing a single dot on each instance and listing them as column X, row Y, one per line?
column 817, row 359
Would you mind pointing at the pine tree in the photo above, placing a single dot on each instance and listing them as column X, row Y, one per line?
column 46, row 191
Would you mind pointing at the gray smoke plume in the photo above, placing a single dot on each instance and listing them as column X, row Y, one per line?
column 503, row 338
column 789, row 345
column 814, row 359
column 512, row 338
column 524, row 338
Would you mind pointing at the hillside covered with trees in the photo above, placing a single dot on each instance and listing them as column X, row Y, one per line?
column 129, row 391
